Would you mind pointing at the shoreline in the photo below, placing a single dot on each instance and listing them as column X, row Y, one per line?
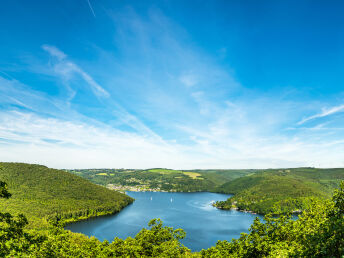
column 65, row 222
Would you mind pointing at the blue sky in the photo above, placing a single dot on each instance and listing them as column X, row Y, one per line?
column 177, row 84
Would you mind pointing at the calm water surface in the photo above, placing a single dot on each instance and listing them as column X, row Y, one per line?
column 204, row 224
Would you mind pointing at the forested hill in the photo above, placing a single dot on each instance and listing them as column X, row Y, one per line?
column 318, row 232
column 161, row 179
column 280, row 190
column 43, row 194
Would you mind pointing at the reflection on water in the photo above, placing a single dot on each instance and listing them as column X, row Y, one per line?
column 193, row 212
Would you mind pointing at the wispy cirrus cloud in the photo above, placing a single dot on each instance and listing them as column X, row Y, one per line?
column 54, row 51
column 188, row 80
column 91, row 8
column 234, row 138
column 88, row 145
column 324, row 113
column 148, row 95
column 28, row 137
column 16, row 94
column 67, row 68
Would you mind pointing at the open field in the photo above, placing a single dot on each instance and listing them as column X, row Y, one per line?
column 193, row 175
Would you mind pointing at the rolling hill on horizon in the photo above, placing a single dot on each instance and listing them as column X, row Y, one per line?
column 162, row 179
column 258, row 190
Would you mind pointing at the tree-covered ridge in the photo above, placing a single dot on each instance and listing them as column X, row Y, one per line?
column 44, row 194
column 318, row 232
column 161, row 179
column 54, row 241
column 262, row 191
column 280, row 191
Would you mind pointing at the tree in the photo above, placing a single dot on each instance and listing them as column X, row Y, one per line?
column 318, row 232
column 3, row 190
column 13, row 239
column 157, row 241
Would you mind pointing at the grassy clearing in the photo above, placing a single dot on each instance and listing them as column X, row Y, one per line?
column 102, row 174
column 164, row 171
column 193, row 175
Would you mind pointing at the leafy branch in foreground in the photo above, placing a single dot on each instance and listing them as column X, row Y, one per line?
column 157, row 241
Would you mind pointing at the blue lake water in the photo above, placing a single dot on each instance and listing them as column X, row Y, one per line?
column 204, row 224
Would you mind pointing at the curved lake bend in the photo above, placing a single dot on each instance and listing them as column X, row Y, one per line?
column 204, row 224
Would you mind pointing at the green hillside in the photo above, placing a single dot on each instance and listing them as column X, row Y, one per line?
column 261, row 191
column 42, row 194
column 161, row 179
column 318, row 232
column 282, row 190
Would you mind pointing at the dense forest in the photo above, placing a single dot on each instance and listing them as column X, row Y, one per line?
column 45, row 194
column 261, row 191
column 318, row 232
column 280, row 191
column 160, row 179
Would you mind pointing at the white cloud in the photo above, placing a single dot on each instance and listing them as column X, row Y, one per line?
column 15, row 93
column 188, row 80
column 66, row 68
column 27, row 137
column 204, row 105
column 60, row 143
column 324, row 113
column 89, row 4
column 244, row 133
column 54, row 51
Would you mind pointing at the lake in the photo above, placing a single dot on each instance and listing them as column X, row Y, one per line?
column 204, row 224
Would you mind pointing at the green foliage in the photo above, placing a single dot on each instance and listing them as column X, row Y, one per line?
column 4, row 191
column 280, row 191
column 261, row 191
column 158, row 241
column 162, row 179
column 318, row 232
column 13, row 239
column 153, row 242
column 45, row 194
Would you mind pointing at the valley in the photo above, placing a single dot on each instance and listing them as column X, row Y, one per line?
column 277, row 191
column 38, row 201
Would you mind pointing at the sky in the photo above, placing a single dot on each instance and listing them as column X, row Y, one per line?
column 172, row 83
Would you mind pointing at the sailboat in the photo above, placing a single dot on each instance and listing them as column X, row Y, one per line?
column 151, row 198
column 171, row 200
